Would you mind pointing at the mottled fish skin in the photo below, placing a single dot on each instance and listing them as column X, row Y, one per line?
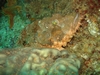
column 53, row 32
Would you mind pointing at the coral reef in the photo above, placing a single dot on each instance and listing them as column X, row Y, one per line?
column 72, row 26
column 29, row 61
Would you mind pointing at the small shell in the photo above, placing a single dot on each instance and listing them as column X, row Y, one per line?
column 93, row 28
